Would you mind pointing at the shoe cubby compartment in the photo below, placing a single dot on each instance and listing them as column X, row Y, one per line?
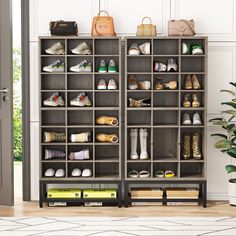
column 139, row 166
column 46, row 95
column 73, row 43
column 146, row 146
column 79, row 118
column 52, row 129
column 193, row 65
column 164, row 60
column 166, row 99
column 47, row 43
column 164, row 166
column 73, row 95
column 139, row 42
column 139, row 78
column 45, row 61
column 138, row 118
column 52, row 148
column 192, row 170
column 166, row 47
column 139, row 64
column 82, row 166
column 165, row 117
column 200, row 96
column 106, row 77
column 106, row 170
column 106, row 59
column 53, row 117
column 201, row 80
column 53, row 82
column 191, row 113
column 107, row 46
column 164, row 79
column 55, row 166
column 106, row 99
column 193, row 41
column 72, row 61
column 79, row 82
column 75, row 131
column 79, row 148
column 106, row 153
column 165, row 143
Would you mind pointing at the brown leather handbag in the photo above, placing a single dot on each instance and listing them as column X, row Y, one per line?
column 181, row 28
column 103, row 25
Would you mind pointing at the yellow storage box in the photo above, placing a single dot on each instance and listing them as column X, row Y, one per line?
column 64, row 193
column 100, row 193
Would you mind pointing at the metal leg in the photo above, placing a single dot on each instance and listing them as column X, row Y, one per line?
column 204, row 192
column 41, row 194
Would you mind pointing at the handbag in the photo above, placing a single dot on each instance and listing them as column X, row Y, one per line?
column 146, row 29
column 63, row 28
column 103, row 25
column 181, row 28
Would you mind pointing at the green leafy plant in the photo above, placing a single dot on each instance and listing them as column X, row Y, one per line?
column 227, row 139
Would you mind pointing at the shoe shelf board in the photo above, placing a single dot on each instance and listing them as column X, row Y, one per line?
column 105, row 158
column 163, row 119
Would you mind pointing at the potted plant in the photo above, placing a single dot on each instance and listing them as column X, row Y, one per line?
column 227, row 139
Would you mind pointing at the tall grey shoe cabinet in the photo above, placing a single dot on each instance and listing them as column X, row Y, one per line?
column 105, row 158
column 163, row 118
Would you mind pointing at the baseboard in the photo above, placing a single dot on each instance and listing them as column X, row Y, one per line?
column 217, row 196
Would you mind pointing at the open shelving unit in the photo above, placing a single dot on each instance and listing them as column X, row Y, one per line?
column 163, row 119
column 105, row 158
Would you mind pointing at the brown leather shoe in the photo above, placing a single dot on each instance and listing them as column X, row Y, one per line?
column 132, row 82
column 158, row 84
column 188, row 83
column 107, row 120
column 195, row 82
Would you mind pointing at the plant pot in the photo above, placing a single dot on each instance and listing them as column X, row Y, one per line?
column 232, row 192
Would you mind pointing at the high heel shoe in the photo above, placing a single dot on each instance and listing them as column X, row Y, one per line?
column 188, row 83
column 196, row 146
column 195, row 82
column 186, row 102
column 186, row 147
column 195, row 102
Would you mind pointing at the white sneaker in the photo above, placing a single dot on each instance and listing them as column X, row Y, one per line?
column 54, row 101
column 56, row 66
column 56, row 49
column 82, row 49
column 196, row 119
column 60, row 173
column 76, row 172
column 49, row 172
column 134, row 49
column 81, row 100
column 86, row 173
column 145, row 48
column 186, row 119
column 83, row 66
column 112, row 84
column 101, row 85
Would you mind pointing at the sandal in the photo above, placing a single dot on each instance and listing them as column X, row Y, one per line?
column 169, row 174
column 145, row 102
column 133, row 174
column 159, row 174
column 144, row 174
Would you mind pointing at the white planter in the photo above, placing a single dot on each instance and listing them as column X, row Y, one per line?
column 232, row 192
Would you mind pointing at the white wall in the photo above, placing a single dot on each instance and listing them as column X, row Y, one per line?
column 216, row 19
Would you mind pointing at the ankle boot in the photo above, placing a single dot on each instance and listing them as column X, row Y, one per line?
column 81, row 137
column 54, row 137
column 51, row 154
column 196, row 84
column 107, row 120
column 109, row 138
column 196, row 146
column 143, row 144
column 188, row 83
column 134, row 141
column 132, row 82
column 186, row 102
column 158, row 84
column 186, row 147
column 195, row 102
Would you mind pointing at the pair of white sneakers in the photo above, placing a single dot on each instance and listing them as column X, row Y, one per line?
column 50, row 172
column 144, row 48
column 103, row 86
column 76, row 172
column 196, row 119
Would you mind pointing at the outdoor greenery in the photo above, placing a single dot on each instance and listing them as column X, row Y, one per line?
column 17, row 106
column 227, row 142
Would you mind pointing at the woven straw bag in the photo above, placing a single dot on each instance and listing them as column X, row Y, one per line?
column 146, row 29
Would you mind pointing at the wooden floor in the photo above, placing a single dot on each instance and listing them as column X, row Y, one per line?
column 32, row 209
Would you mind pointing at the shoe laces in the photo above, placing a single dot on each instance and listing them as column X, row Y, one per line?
column 112, row 63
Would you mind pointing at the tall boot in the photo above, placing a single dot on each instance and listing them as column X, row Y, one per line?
column 196, row 146
column 143, row 144
column 134, row 142
column 186, row 147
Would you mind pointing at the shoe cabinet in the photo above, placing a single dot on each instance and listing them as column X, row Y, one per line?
column 163, row 119
column 104, row 158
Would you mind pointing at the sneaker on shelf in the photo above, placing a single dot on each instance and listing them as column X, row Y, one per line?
column 185, row 48
column 102, row 67
column 86, row 173
column 76, row 172
column 54, row 100
column 172, row 65
column 197, row 119
column 54, row 154
column 112, row 85
column 101, row 85
column 49, row 172
column 56, row 66
column 159, row 67
column 134, row 49
column 144, row 85
column 81, row 137
column 56, row 49
column 81, row 155
column 81, row 100
column 83, row 66
column 186, row 119
column 197, row 49
column 60, row 173
column 132, row 82
column 82, row 49
column 112, row 66
column 145, row 48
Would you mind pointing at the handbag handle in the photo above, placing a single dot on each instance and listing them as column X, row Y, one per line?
column 146, row 17
column 99, row 13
